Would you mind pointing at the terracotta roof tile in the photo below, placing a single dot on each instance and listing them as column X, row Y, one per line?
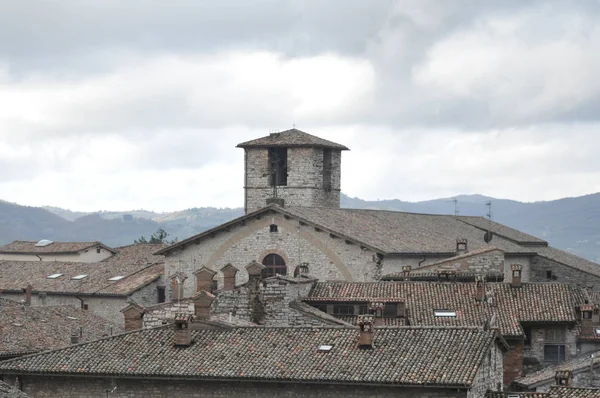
column 532, row 302
column 27, row 247
column 136, row 264
column 291, row 138
column 402, row 356
column 26, row 329
column 502, row 230
column 573, row 392
column 496, row 394
column 546, row 375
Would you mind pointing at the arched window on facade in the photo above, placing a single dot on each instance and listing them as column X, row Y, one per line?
column 274, row 264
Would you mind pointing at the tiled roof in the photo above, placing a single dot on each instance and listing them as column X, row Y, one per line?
column 26, row 329
column 26, row 247
column 393, row 232
column 320, row 315
column 138, row 254
column 17, row 274
column 291, row 138
column 532, row 302
column 569, row 259
column 496, row 394
column 387, row 322
column 546, row 375
column 7, row 391
column 447, row 357
column 502, row 230
column 573, row 392
column 434, row 276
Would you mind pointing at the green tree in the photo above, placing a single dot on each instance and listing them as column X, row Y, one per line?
column 157, row 238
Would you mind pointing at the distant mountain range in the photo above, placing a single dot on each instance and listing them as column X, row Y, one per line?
column 571, row 224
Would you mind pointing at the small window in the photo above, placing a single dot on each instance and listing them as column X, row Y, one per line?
column 586, row 314
column 343, row 310
column 548, row 274
column 445, row 313
column 516, row 273
column 98, row 250
column 554, row 353
column 79, row 277
column 54, row 276
column 527, row 341
column 321, row 307
column 215, row 286
column 116, row 278
column 84, row 306
column 390, row 310
column 273, row 228
column 597, row 330
column 160, row 292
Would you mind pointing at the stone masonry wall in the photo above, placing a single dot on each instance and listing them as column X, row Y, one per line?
column 536, row 350
column 560, row 273
column 87, row 387
column 492, row 261
column 304, row 183
column 490, row 374
column 581, row 379
column 329, row 258
column 526, row 269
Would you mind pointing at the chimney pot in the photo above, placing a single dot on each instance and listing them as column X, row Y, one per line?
column 461, row 246
column 563, row 378
column 229, row 272
column 133, row 315
column 516, row 274
column 202, row 303
column 204, row 279
column 365, row 338
column 177, row 282
column 28, row 289
column 479, row 288
column 183, row 333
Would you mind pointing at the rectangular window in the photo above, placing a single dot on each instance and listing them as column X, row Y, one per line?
column 321, row 307
column 555, row 335
column 160, row 292
column 215, row 286
column 327, row 168
column 390, row 310
column 445, row 313
column 278, row 166
column 343, row 310
column 548, row 274
column 98, row 250
column 587, row 314
column 273, row 228
column 527, row 341
column 554, row 353
column 516, row 273
column 363, row 309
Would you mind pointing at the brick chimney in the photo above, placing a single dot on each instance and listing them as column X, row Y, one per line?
column 183, row 333
column 461, row 247
column 202, row 303
column 28, row 289
column 204, row 279
column 479, row 288
column 564, row 378
column 376, row 310
column 406, row 272
column 365, row 337
column 516, row 275
column 177, row 285
column 229, row 272
column 133, row 315
column 254, row 270
column 586, row 313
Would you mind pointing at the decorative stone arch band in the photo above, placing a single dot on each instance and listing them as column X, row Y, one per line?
column 265, row 223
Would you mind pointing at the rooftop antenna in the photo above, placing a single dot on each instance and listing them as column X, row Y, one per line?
column 455, row 201
column 488, row 235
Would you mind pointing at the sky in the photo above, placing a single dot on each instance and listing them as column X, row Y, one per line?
column 113, row 105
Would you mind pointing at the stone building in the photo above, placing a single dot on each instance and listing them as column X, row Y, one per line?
column 269, row 362
column 45, row 250
column 104, row 288
column 293, row 217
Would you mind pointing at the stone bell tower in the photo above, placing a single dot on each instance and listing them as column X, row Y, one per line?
column 292, row 168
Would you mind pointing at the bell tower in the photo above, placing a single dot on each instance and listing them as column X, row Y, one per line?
column 292, row 168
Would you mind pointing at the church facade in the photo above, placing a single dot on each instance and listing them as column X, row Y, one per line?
column 293, row 218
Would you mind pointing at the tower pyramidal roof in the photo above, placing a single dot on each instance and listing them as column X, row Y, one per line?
column 289, row 139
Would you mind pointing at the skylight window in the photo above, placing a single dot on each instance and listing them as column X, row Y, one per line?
column 116, row 278
column 43, row 243
column 78, row 277
column 445, row 313
column 54, row 276
column 325, row 348
column 597, row 331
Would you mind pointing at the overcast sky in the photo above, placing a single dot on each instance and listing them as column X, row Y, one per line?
column 118, row 105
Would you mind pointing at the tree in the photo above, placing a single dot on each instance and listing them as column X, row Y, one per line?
column 157, row 238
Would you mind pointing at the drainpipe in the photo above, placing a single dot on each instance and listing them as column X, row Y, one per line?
column 39, row 257
column 422, row 261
